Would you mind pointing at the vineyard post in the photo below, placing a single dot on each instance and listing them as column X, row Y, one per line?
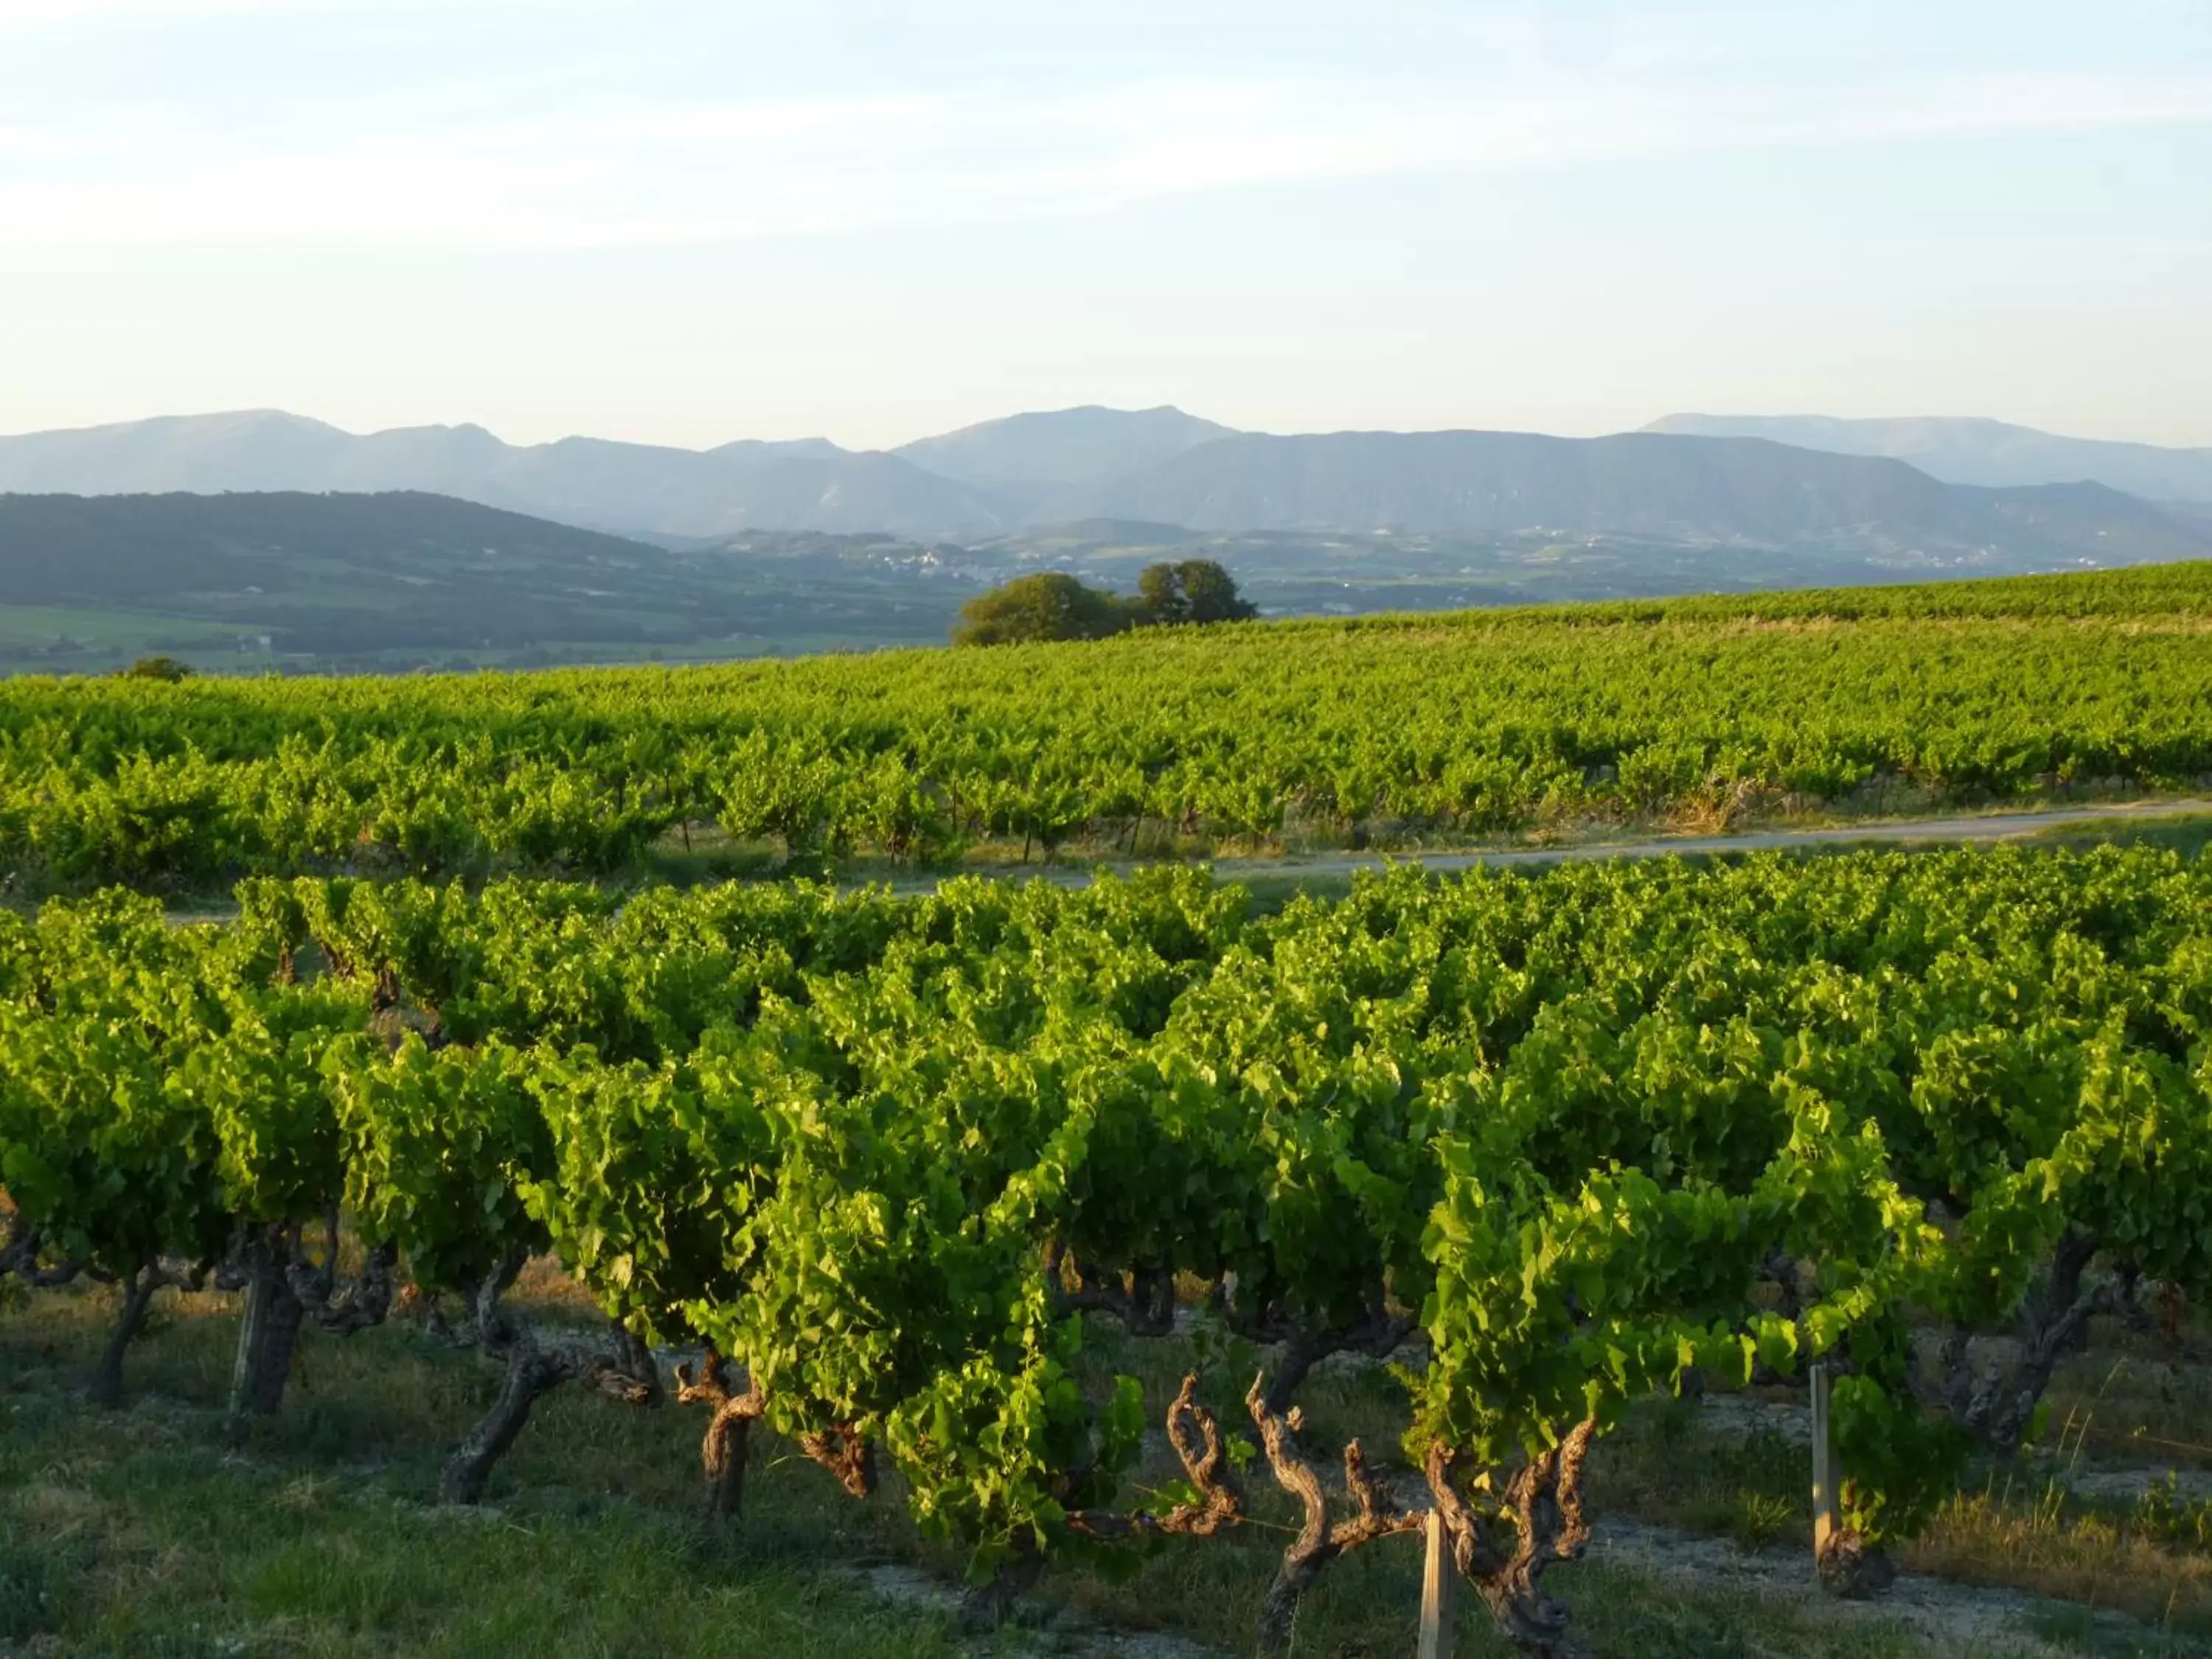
column 1437, row 1574
column 1825, row 1524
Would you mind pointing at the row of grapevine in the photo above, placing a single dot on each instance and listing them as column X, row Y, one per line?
column 1572, row 1134
column 1441, row 726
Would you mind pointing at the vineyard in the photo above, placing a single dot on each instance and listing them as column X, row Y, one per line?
column 1389, row 732
column 882, row 1176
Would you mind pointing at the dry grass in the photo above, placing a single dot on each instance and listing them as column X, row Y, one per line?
column 2046, row 1543
column 2136, row 1399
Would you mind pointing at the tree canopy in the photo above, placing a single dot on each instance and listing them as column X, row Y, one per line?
column 1049, row 605
column 1190, row 590
column 157, row 668
column 1052, row 606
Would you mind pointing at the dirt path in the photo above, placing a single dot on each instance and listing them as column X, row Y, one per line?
column 1946, row 831
column 1992, row 827
column 1959, row 830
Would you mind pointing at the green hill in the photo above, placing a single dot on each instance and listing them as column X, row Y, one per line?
column 384, row 580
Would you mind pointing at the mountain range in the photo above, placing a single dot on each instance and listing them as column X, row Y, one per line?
column 1960, row 450
column 2025, row 506
column 811, row 484
column 1740, row 492
column 1062, row 449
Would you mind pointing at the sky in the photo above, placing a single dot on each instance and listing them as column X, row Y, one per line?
column 691, row 222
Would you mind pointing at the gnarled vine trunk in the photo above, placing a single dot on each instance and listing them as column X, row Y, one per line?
column 1853, row 1566
column 268, row 1336
column 1376, row 1514
column 1503, row 1552
column 1218, row 1503
column 1144, row 1301
column 1998, row 1407
column 987, row 1606
column 845, row 1453
column 106, row 1386
column 612, row 1363
column 1376, row 1331
column 723, row 1448
column 286, row 1286
column 20, row 1257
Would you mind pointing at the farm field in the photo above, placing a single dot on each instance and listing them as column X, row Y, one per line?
column 988, row 832
column 1398, row 734
column 1128, row 1254
column 1075, row 832
column 988, row 1205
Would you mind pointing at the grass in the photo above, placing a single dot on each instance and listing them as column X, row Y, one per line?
column 2129, row 1397
column 143, row 1532
column 1671, row 1465
column 2149, row 1558
column 2182, row 832
column 2095, row 1557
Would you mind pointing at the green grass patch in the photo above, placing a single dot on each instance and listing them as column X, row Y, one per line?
column 144, row 1532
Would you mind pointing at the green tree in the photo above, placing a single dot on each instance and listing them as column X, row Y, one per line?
column 157, row 668
column 1191, row 591
column 1049, row 605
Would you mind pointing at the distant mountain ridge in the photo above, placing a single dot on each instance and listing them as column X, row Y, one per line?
column 980, row 481
column 1061, row 448
column 1633, row 484
column 810, row 484
column 1162, row 467
column 1971, row 451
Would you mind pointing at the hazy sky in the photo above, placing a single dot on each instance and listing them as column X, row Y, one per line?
column 688, row 222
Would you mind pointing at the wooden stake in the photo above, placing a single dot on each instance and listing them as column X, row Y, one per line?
column 1437, row 1574
column 1825, row 1521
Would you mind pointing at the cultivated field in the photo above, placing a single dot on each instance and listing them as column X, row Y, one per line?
column 527, row 1252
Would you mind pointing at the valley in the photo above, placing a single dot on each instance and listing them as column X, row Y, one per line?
column 260, row 543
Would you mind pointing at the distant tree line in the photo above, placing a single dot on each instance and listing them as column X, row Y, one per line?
column 1053, row 605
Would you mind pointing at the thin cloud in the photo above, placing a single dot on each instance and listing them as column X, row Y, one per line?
column 631, row 173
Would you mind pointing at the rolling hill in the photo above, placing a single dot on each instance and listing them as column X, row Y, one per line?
column 389, row 580
column 62, row 549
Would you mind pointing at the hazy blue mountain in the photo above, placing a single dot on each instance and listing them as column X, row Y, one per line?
column 811, row 484
column 250, row 449
column 1062, row 447
column 1668, row 490
column 739, row 486
column 1960, row 450
column 1739, row 490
